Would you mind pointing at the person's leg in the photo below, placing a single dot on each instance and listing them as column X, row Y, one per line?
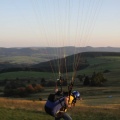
column 66, row 117
column 57, row 118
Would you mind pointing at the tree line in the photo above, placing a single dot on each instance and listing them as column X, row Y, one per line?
column 96, row 79
column 23, row 88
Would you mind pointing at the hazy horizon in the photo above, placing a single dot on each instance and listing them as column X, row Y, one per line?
column 60, row 47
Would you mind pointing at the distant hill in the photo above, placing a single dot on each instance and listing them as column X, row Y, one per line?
column 37, row 57
column 81, row 58
column 62, row 63
column 53, row 50
column 33, row 55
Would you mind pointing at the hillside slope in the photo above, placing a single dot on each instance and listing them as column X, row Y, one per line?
column 31, row 55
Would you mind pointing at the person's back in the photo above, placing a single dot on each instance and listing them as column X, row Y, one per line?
column 53, row 107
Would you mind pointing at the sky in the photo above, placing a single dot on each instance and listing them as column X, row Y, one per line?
column 55, row 23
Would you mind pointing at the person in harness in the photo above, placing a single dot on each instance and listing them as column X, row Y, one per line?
column 57, row 107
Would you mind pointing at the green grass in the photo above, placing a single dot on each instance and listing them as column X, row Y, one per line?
column 94, row 114
column 20, row 114
column 25, row 59
column 95, row 105
column 99, row 103
column 102, row 63
column 25, row 74
column 97, row 64
column 78, row 113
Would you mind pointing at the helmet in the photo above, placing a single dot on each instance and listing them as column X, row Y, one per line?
column 76, row 94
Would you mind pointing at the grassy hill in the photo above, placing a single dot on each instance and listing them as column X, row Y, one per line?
column 92, row 106
column 98, row 103
column 34, row 110
column 89, row 62
column 85, row 60
column 33, row 55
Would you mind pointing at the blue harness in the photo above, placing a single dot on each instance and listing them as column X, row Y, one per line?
column 53, row 107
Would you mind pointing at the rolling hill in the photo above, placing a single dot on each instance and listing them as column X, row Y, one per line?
column 52, row 65
column 33, row 55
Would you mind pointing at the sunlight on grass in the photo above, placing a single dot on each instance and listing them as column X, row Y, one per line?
column 13, row 109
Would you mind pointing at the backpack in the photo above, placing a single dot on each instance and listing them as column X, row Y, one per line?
column 54, row 104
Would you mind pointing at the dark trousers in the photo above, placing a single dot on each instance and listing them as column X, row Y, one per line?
column 65, row 116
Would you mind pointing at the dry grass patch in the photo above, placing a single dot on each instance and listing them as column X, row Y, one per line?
column 21, row 104
column 39, row 106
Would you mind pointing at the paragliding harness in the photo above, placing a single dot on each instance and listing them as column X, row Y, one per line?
column 55, row 102
column 54, row 105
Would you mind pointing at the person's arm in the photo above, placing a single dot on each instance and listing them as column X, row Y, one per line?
column 67, row 102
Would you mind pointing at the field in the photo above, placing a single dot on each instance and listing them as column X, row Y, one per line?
column 91, row 107
column 98, row 103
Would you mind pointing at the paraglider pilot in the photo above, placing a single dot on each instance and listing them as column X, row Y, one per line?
column 58, row 108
